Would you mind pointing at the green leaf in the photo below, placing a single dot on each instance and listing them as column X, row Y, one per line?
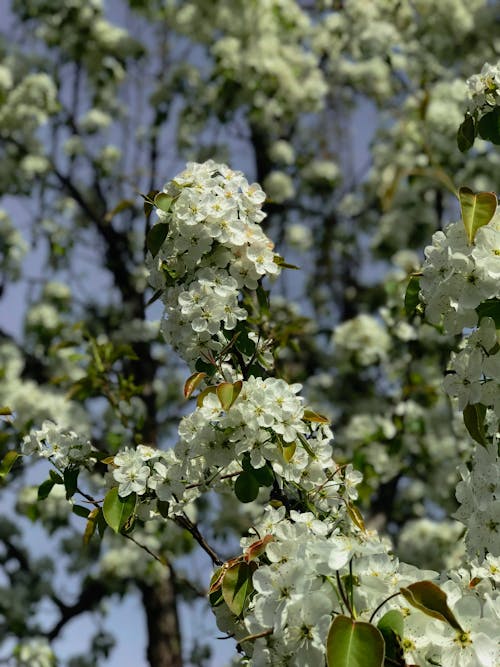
column 215, row 596
column 490, row 308
column 45, row 488
column 466, row 133
column 71, row 481
column 412, row 298
column 156, row 235
column 7, row 462
column 354, row 644
column 246, row 487
column 163, row 506
column 477, row 210
column 163, row 202
column 5, row 411
column 488, row 126
column 264, row 475
column 56, row 477
column 237, row 586
column 391, row 625
column 80, row 510
column 430, row 599
column 474, row 416
column 117, row 510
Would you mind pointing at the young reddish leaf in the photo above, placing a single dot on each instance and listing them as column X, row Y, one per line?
column 192, row 383
column 256, row 549
column 354, row 644
column 477, row 210
column 430, row 599
column 311, row 416
column 117, row 510
column 228, row 392
column 201, row 396
column 237, row 586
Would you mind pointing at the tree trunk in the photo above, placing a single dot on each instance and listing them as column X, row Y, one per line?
column 164, row 641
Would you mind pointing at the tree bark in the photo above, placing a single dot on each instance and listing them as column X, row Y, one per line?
column 164, row 647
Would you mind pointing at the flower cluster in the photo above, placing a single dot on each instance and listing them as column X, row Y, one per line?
column 458, row 276
column 479, row 496
column 64, row 449
column 363, row 339
column 484, row 88
column 266, row 423
column 214, row 248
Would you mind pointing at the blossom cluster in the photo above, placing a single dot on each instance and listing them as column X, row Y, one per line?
column 214, row 248
column 479, row 496
column 458, row 276
column 64, row 449
column 484, row 88
column 266, row 424
column 296, row 596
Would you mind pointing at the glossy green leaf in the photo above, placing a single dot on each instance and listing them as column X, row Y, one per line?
column 490, row 308
column 45, row 488
column 237, row 586
column 215, row 596
column 7, row 462
column 429, row 598
column 391, row 625
column 246, row 487
column 474, row 416
column 156, row 236
column 477, row 210
column 5, row 411
column 466, row 133
column 264, row 475
column 81, row 511
column 117, row 510
column 488, row 126
column 354, row 644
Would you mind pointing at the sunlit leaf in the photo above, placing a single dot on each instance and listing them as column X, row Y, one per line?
column 117, row 510
column 477, row 210
column 237, row 586
column 192, row 383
